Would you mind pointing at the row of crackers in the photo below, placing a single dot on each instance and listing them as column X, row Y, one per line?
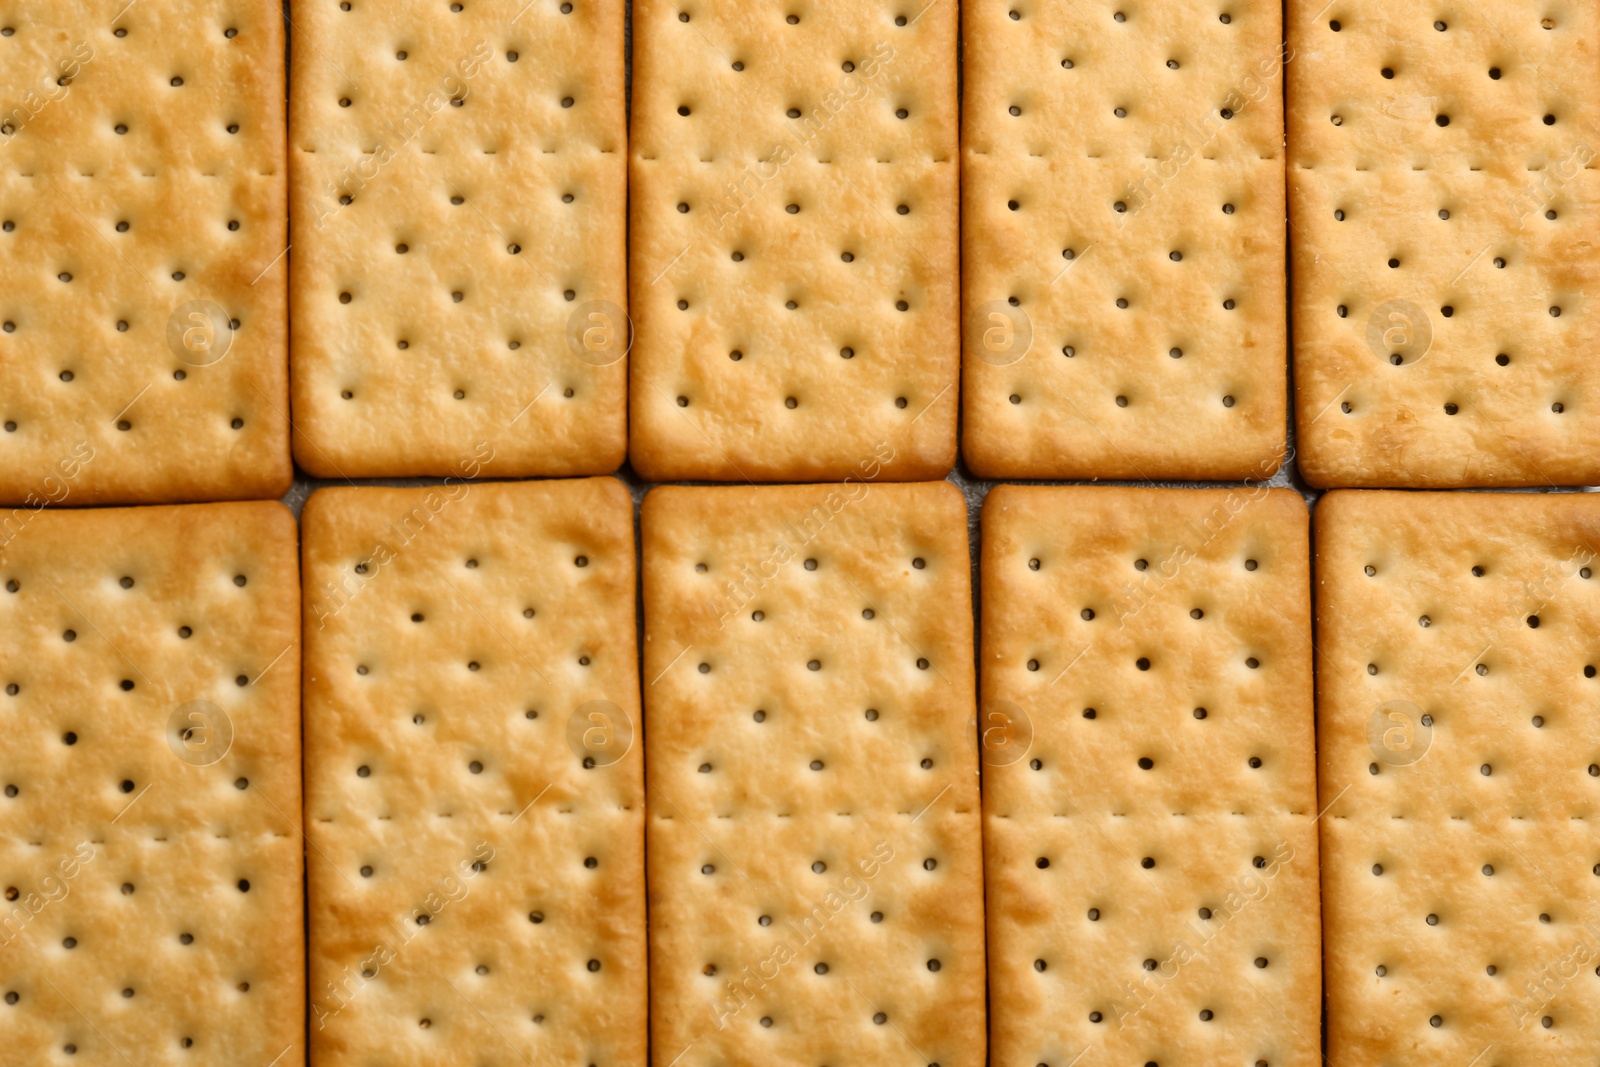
column 797, row 244
column 1124, row 844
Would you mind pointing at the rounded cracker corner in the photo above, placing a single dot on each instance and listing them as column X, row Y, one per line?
column 1287, row 498
column 643, row 460
column 614, row 453
column 320, row 500
column 1310, row 468
column 613, row 489
column 1330, row 507
column 311, row 459
column 659, row 496
column 928, row 461
column 982, row 459
column 1269, row 466
column 279, row 486
column 998, row 501
column 281, row 514
column 950, row 492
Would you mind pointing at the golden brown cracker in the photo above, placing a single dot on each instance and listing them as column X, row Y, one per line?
column 150, row 850
column 1123, row 240
column 460, row 234
column 1458, row 770
column 143, row 354
column 1442, row 197
column 473, row 779
column 1149, row 791
column 794, row 239
column 815, row 863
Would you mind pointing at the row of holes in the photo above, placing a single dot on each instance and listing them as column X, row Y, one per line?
column 9, row 326
column 794, row 209
column 1450, row 407
column 120, row 129
column 1119, row 16
column 1441, row 26
column 1494, row 74
column 471, row 563
column 458, row 296
column 922, row 663
column 122, row 226
column 1122, row 400
column 790, row 402
column 125, row 425
column 127, row 685
column 230, row 33
column 917, row 563
column 794, row 20
column 460, row 394
column 242, row 885
column 127, row 581
column 1440, row 119
column 456, row 6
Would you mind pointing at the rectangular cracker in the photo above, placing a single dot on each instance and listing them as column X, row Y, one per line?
column 794, row 238
column 815, row 867
column 1469, row 361
column 1127, row 900
column 1459, row 760
column 142, row 208
column 459, row 180
column 1132, row 156
column 473, row 786
column 150, row 849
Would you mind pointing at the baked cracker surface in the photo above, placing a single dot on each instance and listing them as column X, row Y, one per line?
column 816, row 880
column 460, row 231
column 1459, row 768
column 1443, row 198
column 150, row 846
column 473, row 775
column 143, row 354
column 1123, row 240
column 1149, row 793
column 794, row 248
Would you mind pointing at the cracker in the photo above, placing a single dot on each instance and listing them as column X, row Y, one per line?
column 1123, row 240
column 460, row 237
column 794, row 238
column 142, row 207
column 815, row 866
column 150, row 851
column 1458, row 772
column 473, row 786
column 1443, row 329
column 1162, row 911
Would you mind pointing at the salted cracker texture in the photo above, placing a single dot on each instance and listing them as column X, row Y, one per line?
column 793, row 249
column 1123, row 235
column 1149, row 782
column 142, row 207
column 474, row 791
column 815, row 866
column 1443, row 200
column 150, row 844
column 459, row 226
column 1460, row 765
